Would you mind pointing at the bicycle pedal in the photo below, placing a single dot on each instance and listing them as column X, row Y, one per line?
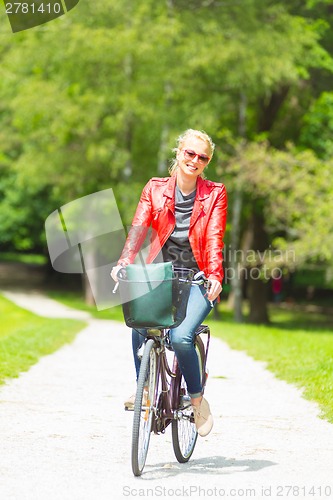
column 185, row 401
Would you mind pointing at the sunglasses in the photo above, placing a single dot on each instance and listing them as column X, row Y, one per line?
column 191, row 155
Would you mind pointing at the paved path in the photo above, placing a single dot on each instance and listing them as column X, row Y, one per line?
column 64, row 434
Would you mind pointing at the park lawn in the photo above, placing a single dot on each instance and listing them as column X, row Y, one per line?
column 294, row 348
column 75, row 300
column 25, row 337
column 23, row 258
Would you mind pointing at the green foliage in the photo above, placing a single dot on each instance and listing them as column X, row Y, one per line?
column 96, row 98
column 317, row 129
column 25, row 337
column 296, row 194
column 22, row 213
column 318, row 277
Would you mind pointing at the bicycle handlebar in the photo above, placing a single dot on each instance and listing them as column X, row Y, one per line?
column 198, row 279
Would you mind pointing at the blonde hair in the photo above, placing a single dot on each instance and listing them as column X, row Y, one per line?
column 198, row 134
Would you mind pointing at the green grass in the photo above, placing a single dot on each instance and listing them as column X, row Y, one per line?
column 22, row 257
column 76, row 301
column 25, row 337
column 297, row 347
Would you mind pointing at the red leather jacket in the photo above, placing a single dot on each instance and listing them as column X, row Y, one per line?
column 156, row 208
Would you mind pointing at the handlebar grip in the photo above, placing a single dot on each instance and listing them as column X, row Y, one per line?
column 122, row 273
column 199, row 275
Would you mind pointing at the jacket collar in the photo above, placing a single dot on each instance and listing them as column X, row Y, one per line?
column 203, row 188
column 170, row 187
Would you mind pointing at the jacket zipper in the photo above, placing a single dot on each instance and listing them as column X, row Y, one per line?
column 158, row 211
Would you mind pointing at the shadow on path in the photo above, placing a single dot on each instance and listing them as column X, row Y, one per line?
column 209, row 465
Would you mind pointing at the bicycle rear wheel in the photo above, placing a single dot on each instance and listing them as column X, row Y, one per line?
column 143, row 408
column 184, row 433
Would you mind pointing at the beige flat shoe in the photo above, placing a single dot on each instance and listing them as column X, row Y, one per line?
column 129, row 403
column 203, row 418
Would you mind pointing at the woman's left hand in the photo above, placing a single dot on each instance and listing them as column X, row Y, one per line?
column 214, row 289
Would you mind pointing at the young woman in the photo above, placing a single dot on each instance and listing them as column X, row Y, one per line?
column 188, row 217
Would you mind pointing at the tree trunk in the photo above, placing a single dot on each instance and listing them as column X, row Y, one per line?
column 236, row 278
column 270, row 109
column 88, row 294
column 258, row 298
column 89, row 285
column 236, row 283
column 128, row 124
column 257, row 287
column 162, row 164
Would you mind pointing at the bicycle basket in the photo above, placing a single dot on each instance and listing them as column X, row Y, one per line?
column 155, row 303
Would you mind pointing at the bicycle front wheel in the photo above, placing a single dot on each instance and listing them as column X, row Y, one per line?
column 184, row 433
column 143, row 408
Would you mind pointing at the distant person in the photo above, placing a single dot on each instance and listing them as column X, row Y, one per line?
column 188, row 214
column 277, row 286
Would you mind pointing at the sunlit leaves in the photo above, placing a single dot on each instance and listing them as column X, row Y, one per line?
column 297, row 194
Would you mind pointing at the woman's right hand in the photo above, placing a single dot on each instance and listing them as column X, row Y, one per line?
column 115, row 271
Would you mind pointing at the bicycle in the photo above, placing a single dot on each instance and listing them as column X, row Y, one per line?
column 161, row 396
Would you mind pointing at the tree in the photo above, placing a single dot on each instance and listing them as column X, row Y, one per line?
column 290, row 193
column 95, row 98
column 317, row 129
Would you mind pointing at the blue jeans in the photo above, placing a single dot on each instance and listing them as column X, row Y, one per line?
column 182, row 340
